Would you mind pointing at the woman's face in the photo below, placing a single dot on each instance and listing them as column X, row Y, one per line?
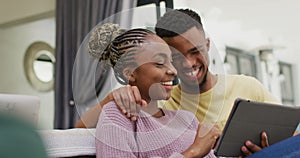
column 155, row 72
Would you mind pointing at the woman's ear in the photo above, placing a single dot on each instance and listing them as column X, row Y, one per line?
column 127, row 72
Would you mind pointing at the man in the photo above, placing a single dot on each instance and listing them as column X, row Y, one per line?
column 215, row 94
column 210, row 97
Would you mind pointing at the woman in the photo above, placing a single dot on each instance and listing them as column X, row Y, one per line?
column 140, row 58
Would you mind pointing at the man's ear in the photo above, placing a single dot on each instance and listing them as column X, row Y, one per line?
column 208, row 43
column 127, row 72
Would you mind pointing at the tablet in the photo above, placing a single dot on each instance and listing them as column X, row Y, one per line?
column 248, row 119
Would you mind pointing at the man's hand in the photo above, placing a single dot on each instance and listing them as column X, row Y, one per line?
column 129, row 100
column 249, row 148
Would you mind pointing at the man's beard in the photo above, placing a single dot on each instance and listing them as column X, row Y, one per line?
column 196, row 87
column 204, row 79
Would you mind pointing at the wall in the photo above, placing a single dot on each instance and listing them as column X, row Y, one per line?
column 13, row 44
column 12, row 10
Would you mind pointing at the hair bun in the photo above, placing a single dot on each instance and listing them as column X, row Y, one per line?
column 101, row 37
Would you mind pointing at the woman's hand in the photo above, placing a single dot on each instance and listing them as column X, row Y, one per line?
column 129, row 101
column 205, row 140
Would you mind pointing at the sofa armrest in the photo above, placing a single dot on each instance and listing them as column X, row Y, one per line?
column 69, row 143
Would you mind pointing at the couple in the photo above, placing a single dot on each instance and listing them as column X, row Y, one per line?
column 182, row 30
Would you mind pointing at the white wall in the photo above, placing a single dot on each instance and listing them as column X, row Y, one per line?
column 13, row 43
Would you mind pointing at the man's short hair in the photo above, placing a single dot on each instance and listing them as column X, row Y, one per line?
column 178, row 21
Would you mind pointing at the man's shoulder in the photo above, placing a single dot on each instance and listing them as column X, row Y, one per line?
column 243, row 83
column 240, row 79
column 250, row 87
column 238, row 76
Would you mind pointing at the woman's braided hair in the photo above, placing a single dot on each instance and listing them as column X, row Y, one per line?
column 117, row 47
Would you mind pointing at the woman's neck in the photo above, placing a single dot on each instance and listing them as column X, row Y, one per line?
column 153, row 109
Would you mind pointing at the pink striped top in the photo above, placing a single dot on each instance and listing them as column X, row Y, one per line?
column 167, row 136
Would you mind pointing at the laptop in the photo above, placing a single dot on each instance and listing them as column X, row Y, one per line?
column 248, row 119
column 24, row 107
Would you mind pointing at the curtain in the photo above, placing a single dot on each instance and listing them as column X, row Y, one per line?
column 74, row 20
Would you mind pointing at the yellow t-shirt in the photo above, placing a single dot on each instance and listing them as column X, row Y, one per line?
column 215, row 104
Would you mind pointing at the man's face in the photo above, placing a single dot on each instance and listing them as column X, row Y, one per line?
column 190, row 56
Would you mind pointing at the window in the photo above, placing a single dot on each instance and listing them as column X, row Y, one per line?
column 286, row 83
column 240, row 62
